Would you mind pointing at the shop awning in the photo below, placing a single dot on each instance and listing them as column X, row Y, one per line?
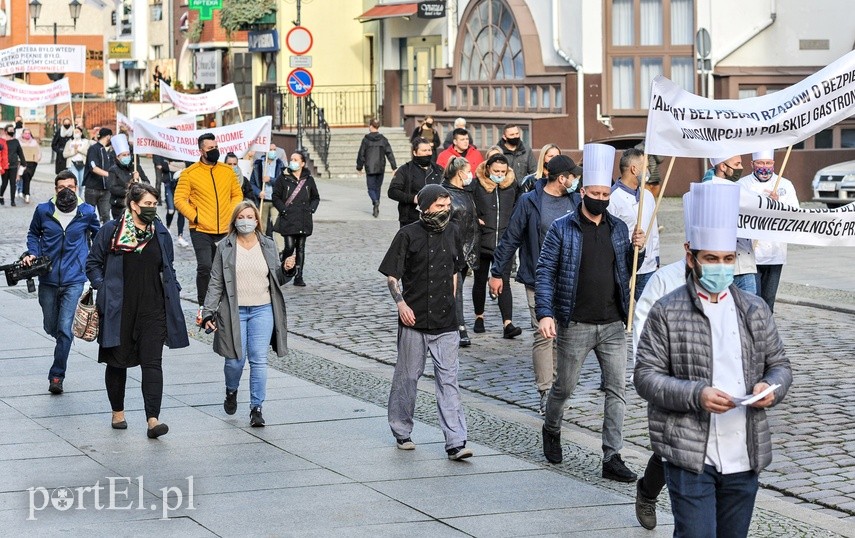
column 388, row 11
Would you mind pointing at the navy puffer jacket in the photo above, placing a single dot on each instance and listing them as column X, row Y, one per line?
column 557, row 271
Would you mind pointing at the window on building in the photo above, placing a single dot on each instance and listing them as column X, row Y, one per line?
column 157, row 52
column 156, row 11
column 645, row 38
column 492, row 48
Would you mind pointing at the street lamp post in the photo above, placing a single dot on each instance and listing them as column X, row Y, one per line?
column 35, row 12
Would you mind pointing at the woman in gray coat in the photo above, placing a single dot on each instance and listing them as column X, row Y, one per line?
column 246, row 307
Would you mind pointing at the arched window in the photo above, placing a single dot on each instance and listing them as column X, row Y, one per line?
column 492, row 48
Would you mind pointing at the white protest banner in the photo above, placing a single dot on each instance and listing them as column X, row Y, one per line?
column 43, row 59
column 34, row 95
column 222, row 98
column 682, row 124
column 767, row 220
column 240, row 138
column 181, row 122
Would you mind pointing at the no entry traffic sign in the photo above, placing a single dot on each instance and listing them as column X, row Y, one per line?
column 300, row 82
column 299, row 40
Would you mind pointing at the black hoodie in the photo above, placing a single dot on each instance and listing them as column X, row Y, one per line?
column 373, row 152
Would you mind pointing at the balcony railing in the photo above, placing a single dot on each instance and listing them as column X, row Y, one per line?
column 342, row 105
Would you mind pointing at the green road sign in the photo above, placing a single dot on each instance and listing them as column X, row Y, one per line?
column 205, row 8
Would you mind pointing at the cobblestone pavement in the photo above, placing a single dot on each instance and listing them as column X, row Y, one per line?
column 346, row 304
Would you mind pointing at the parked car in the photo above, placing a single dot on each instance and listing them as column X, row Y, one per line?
column 835, row 185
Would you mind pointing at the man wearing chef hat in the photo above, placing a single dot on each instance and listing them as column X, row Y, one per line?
column 705, row 347
column 582, row 299
column 769, row 255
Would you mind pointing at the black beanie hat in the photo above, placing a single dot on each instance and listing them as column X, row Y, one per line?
column 429, row 194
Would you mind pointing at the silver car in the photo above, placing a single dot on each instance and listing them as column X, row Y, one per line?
column 835, row 185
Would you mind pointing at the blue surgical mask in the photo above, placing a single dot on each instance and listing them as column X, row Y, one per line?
column 497, row 179
column 125, row 160
column 238, row 171
column 293, row 166
column 271, row 155
column 716, row 277
column 572, row 187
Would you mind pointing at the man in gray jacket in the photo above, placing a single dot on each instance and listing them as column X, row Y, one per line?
column 706, row 348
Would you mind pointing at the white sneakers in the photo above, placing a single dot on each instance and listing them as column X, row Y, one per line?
column 181, row 242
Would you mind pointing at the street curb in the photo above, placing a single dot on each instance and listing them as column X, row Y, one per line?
column 813, row 303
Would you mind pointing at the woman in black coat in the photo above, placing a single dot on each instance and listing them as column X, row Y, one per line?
column 296, row 197
column 131, row 266
column 495, row 192
column 457, row 178
column 428, row 130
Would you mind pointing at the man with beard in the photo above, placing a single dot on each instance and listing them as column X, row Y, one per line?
column 62, row 229
column 421, row 268
column 769, row 255
column 61, row 136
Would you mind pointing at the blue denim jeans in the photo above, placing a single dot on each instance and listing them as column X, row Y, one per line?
column 58, row 305
column 78, row 174
column 746, row 282
column 574, row 344
column 256, row 328
column 374, row 182
column 711, row 504
column 768, row 278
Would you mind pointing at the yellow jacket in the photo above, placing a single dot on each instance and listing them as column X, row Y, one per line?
column 207, row 195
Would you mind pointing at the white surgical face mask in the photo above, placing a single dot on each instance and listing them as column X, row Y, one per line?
column 468, row 179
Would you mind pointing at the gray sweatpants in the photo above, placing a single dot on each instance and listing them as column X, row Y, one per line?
column 413, row 347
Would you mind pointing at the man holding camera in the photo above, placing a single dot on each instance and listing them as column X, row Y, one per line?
column 62, row 229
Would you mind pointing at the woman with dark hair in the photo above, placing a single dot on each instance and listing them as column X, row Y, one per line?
column 457, row 177
column 496, row 192
column 131, row 266
column 245, row 305
column 430, row 132
column 296, row 198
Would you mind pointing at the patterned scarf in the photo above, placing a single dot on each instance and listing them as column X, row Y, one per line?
column 128, row 238
column 437, row 221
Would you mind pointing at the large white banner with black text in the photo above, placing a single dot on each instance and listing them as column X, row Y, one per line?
column 767, row 220
column 43, row 59
column 34, row 95
column 682, row 124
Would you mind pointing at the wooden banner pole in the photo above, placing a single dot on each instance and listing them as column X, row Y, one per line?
column 642, row 182
column 659, row 199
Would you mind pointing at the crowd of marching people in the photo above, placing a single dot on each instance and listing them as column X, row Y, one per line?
column 581, row 238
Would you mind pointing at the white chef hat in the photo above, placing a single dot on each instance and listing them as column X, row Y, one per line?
column 714, row 213
column 765, row 155
column 598, row 162
column 119, row 143
column 715, row 161
column 687, row 216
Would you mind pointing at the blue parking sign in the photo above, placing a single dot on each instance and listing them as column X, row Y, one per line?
column 300, row 82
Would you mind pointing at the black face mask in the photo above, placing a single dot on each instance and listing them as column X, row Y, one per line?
column 422, row 160
column 595, row 207
column 212, row 155
column 512, row 141
column 66, row 125
column 10, row 133
column 66, row 200
column 736, row 173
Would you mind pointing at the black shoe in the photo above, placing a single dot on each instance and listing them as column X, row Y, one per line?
column 255, row 418
column 614, row 469
column 464, row 339
column 122, row 425
column 544, row 395
column 2, row 201
column 645, row 509
column 298, row 281
column 13, row 202
column 55, row 386
column 157, row 431
column 376, row 211
column 511, row 331
column 405, row 444
column 230, row 403
column 552, row 446
column 459, row 453
column 479, row 326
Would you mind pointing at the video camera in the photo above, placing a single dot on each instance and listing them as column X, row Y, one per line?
column 17, row 271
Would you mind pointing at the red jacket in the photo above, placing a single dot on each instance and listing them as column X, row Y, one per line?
column 4, row 157
column 472, row 155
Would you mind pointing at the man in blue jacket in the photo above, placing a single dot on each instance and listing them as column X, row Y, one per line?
column 582, row 299
column 62, row 229
column 533, row 214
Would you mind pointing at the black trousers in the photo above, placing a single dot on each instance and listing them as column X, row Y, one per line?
column 152, row 382
column 479, row 290
column 296, row 243
column 205, row 247
column 10, row 176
